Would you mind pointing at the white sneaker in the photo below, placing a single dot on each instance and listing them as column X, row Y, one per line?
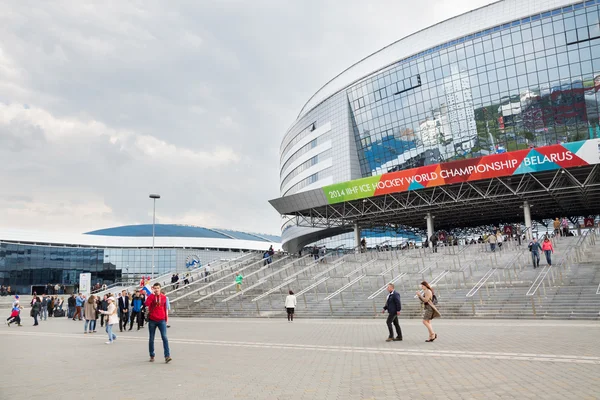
column 108, row 342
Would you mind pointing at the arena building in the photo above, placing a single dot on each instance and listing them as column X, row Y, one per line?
column 29, row 259
column 488, row 117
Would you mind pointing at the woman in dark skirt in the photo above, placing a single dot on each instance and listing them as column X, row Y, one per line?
column 429, row 310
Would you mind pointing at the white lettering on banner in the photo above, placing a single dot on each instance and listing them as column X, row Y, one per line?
column 554, row 157
column 480, row 168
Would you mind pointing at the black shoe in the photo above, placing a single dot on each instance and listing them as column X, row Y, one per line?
column 398, row 339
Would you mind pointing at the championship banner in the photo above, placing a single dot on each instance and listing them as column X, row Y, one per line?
column 547, row 158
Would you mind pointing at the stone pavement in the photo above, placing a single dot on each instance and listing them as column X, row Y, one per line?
column 307, row 359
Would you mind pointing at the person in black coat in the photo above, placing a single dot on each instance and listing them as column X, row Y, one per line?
column 393, row 307
column 124, row 310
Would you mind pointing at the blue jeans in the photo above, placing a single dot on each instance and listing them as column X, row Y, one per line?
column 92, row 323
column 44, row 313
column 111, row 335
column 162, row 327
column 548, row 254
column 535, row 256
column 70, row 311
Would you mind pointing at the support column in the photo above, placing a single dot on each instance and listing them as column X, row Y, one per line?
column 357, row 236
column 527, row 213
column 430, row 230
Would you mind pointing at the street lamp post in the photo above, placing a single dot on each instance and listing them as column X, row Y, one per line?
column 153, row 197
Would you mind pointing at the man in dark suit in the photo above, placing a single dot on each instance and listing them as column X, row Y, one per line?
column 124, row 310
column 393, row 307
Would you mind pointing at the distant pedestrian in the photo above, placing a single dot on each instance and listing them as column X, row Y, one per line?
column 239, row 279
column 393, row 307
column 565, row 226
column 535, row 248
column 123, row 310
column 89, row 312
column 113, row 318
column 492, row 239
column 556, row 224
column 15, row 315
column 71, row 306
column 50, row 305
column 79, row 301
column 290, row 305
column 430, row 311
column 103, row 307
column 434, row 242
column 36, row 303
column 44, row 307
column 499, row 240
column 186, row 281
column 136, row 310
column 548, row 250
column 207, row 270
column 158, row 317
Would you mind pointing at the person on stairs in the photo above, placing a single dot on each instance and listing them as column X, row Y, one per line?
column 548, row 250
column 535, row 248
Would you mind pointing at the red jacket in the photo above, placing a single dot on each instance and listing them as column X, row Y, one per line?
column 547, row 246
column 157, row 308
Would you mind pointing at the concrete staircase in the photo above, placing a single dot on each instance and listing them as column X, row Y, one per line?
column 568, row 292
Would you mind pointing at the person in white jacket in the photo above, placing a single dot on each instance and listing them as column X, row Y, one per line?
column 290, row 305
column 111, row 311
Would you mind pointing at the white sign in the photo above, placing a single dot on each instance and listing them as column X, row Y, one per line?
column 85, row 283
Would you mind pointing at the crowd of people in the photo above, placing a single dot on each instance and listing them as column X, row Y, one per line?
column 140, row 308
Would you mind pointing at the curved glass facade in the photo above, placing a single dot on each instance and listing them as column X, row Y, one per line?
column 529, row 83
column 525, row 75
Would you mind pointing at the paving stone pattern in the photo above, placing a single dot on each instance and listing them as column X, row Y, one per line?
column 307, row 359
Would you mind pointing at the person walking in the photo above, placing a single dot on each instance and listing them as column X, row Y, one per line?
column 79, row 301
column 556, row 224
column 207, row 270
column 239, row 279
column 158, row 317
column 14, row 315
column 290, row 305
column 430, row 311
column 103, row 307
column 51, row 302
column 548, row 249
column 123, row 310
column 492, row 241
column 36, row 303
column 89, row 312
column 434, row 242
column 499, row 240
column 111, row 312
column 44, row 308
column 565, row 226
column 393, row 307
column 535, row 248
column 136, row 310
column 71, row 306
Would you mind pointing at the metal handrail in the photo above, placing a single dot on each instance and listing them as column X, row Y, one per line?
column 598, row 291
column 276, row 288
column 335, row 264
column 346, row 286
column 314, row 285
column 380, row 290
column 266, row 278
column 222, row 278
column 246, row 277
column 490, row 273
column 394, row 266
column 436, row 280
column 366, row 265
column 546, row 270
column 238, row 262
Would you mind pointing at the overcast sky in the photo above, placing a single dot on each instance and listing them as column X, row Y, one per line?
column 102, row 103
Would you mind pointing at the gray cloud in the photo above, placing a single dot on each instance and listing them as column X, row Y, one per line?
column 189, row 99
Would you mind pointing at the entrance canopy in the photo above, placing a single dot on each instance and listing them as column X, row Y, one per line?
column 556, row 180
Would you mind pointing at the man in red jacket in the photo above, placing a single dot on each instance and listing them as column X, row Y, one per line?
column 158, row 316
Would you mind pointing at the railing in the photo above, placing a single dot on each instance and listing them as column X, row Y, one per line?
column 265, row 280
column 335, row 265
column 491, row 273
column 381, row 289
column 547, row 272
column 238, row 262
column 346, row 286
column 276, row 288
column 211, row 284
column 214, row 293
column 362, row 267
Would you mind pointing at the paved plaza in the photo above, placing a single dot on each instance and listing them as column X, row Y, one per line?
column 307, row 359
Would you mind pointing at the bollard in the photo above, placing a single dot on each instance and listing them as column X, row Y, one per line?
column 305, row 303
column 257, row 309
column 533, row 305
column 330, row 307
column 374, row 307
column 473, row 305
